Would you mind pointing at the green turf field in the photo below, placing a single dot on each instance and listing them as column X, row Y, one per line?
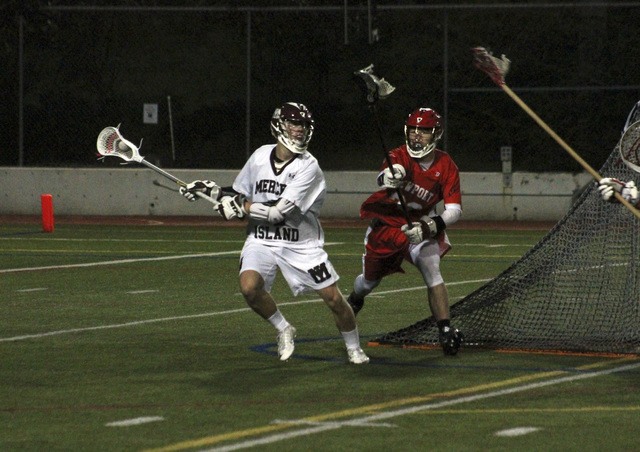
column 130, row 338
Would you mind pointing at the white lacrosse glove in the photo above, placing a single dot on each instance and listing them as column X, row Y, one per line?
column 394, row 180
column 232, row 207
column 413, row 233
column 427, row 228
column 609, row 185
column 630, row 192
column 207, row 187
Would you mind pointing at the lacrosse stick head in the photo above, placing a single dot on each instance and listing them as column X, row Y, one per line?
column 629, row 147
column 112, row 143
column 496, row 68
column 375, row 87
column 634, row 115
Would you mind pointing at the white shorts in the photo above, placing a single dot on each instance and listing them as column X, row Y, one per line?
column 305, row 270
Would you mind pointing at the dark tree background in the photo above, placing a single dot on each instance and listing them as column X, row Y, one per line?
column 225, row 65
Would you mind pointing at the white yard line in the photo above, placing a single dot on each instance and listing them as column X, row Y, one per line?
column 117, row 262
column 195, row 316
column 167, row 319
column 368, row 420
column 517, row 431
column 134, row 421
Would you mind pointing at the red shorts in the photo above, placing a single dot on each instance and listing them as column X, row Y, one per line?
column 386, row 248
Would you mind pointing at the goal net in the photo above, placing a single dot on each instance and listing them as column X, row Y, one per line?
column 577, row 290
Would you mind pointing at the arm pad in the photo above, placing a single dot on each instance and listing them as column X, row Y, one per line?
column 272, row 214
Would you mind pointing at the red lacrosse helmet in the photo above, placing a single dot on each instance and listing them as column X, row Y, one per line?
column 423, row 118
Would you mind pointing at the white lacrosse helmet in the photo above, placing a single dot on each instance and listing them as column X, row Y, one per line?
column 287, row 117
column 423, row 118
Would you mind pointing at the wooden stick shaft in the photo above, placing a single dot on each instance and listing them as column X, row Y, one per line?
column 565, row 146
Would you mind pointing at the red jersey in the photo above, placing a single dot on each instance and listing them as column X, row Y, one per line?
column 424, row 189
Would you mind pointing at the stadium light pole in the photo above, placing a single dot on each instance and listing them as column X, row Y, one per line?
column 20, row 90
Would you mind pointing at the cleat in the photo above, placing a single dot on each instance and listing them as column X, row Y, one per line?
column 450, row 340
column 285, row 342
column 357, row 356
column 355, row 302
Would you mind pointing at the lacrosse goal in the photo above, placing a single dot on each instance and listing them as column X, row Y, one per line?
column 577, row 290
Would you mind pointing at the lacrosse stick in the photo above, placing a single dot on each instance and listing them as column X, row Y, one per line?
column 634, row 115
column 378, row 88
column 160, row 184
column 112, row 143
column 496, row 69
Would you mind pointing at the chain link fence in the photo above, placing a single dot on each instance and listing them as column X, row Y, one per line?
column 199, row 83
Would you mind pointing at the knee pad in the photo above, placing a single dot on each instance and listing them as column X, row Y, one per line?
column 429, row 266
column 364, row 287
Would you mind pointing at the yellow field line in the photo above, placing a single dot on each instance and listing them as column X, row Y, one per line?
column 215, row 439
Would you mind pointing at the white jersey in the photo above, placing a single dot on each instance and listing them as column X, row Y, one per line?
column 301, row 182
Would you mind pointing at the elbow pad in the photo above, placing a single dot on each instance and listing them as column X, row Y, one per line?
column 451, row 213
column 272, row 214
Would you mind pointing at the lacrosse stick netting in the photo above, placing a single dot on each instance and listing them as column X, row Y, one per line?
column 377, row 88
column 111, row 143
column 496, row 68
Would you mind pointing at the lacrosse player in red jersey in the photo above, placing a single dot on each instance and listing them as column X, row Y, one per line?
column 280, row 190
column 422, row 176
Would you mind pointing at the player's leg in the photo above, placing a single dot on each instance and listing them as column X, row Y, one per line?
column 345, row 321
column 310, row 269
column 257, row 272
column 383, row 256
column 335, row 301
column 427, row 259
column 254, row 293
column 361, row 288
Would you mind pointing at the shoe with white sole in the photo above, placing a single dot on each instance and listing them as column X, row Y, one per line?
column 285, row 342
column 357, row 356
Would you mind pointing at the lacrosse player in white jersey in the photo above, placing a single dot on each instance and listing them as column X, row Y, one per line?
column 281, row 189
column 608, row 185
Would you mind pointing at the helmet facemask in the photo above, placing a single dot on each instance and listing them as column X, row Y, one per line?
column 423, row 120
column 292, row 125
column 415, row 147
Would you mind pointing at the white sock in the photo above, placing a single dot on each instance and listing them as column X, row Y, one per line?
column 351, row 338
column 278, row 321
